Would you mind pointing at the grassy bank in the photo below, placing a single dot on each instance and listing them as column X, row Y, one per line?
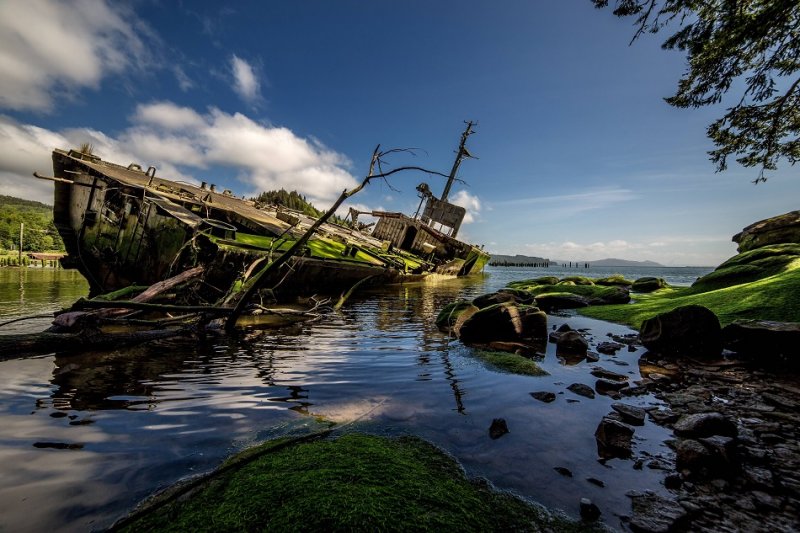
column 772, row 297
column 352, row 483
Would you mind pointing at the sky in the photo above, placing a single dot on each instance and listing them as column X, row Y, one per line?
column 578, row 157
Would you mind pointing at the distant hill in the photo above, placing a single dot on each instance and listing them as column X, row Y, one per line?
column 524, row 260
column 623, row 263
column 517, row 260
column 39, row 234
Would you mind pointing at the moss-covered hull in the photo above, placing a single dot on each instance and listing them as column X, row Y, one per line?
column 123, row 226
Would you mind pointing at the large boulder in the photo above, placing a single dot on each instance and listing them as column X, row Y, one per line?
column 648, row 284
column 775, row 230
column 691, row 330
column 763, row 338
column 503, row 295
column 611, row 296
column 448, row 316
column 504, row 322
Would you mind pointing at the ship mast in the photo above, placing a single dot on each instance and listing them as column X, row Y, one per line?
column 462, row 153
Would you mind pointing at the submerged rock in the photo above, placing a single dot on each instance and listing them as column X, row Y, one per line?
column 691, row 330
column 498, row 428
column 544, row 396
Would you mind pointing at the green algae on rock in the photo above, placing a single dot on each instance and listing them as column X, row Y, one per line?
column 352, row 483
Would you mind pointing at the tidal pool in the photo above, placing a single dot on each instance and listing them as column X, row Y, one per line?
column 84, row 437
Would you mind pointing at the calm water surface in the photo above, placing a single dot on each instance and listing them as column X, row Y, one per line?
column 84, row 437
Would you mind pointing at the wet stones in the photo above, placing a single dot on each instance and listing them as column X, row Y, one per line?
column 602, row 373
column 691, row 330
column 613, row 438
column 707, row 458
column 630, row 414
column 609, row 348
column 610, row 388
column 705, row 425
column 589, row 511
column 654, row 514
column 572, row 343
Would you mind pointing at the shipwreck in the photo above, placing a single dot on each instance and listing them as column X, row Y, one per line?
column 125, row 225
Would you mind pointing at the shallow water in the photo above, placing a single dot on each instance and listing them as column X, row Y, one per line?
column 84, row 437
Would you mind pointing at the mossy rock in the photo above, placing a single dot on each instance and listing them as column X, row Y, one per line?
column 779, row 229
column 749, row 266
column 614, row 280
column 503, row 295
column 503, row 322
column 352, row 483
column 550, row 301
column 567, row 282
column 447, row 317
column 525, row 284
column 648, row 284
column 578, row 280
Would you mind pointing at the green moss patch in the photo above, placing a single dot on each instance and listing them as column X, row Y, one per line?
column 614, row 279
column 510, row 362
column 749, row 266
column 353, row 483
column 771, row 298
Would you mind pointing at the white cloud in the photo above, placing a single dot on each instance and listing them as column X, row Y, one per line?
column 168, row 116
column 469, row 202
column 184, row 81
column 50, row 48
column 173, row 138
column 245, row 82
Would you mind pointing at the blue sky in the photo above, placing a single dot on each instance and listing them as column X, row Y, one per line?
column 579, row 157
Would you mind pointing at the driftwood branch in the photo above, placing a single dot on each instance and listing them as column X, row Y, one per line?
column 257, row 281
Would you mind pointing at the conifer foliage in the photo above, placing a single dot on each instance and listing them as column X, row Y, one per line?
column 752, row 44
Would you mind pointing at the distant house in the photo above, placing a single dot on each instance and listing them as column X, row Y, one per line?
column 38, row 256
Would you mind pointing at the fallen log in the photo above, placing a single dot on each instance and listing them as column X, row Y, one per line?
column 72, row 318
column 83, row 303
column 13, row 346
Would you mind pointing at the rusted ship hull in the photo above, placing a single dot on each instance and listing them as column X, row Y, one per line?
column 124, row 225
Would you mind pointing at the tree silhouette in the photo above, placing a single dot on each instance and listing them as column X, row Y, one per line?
column 756, row 42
